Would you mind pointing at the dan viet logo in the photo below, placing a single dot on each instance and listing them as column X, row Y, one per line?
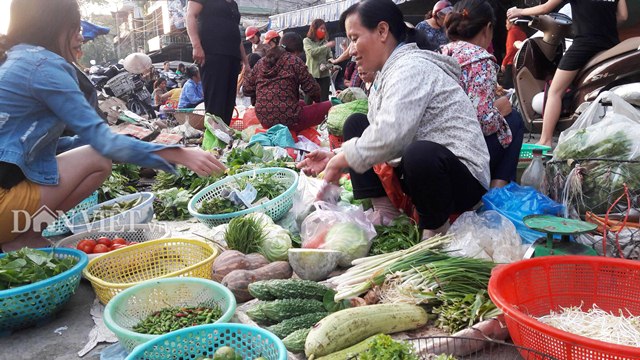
column 23, row 221
column 100, row 220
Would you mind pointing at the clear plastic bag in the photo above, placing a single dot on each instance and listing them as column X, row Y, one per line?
column 305, row 196
column 318, row 225
column 600, row 132
column 487, row 235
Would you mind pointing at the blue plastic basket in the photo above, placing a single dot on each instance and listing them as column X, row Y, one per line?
column 275, row 208
column 248, row 341
column 35, row 303
column 59, row 227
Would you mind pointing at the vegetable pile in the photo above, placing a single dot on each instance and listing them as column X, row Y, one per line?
column 174, row 318
column 28, row 266
column 107, row 211
column 267, row 186
column 597, row 324
column 401, row 234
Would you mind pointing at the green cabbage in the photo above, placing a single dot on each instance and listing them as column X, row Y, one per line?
column 276, row 244
column 349, row 239
column 339, row 114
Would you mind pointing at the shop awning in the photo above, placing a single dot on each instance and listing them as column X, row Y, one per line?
column 328, row 12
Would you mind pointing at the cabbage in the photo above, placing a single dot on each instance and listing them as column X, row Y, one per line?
column 349, row 239
column 262, row 219
column 276, row 244
column 339, row 114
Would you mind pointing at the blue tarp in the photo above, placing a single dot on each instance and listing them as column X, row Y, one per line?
column 90, row 31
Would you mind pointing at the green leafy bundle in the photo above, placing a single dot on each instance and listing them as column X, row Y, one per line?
column 401, row 234
column 383, row 347
column 245, row 234
column 172, row 204
column 456, row 313
column 121, row 182
column 27, row 266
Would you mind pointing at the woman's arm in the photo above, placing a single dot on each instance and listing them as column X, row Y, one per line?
column 532, row 11
column 483, row 94
column 249, row 83
column 193, row 11
column 623, row 13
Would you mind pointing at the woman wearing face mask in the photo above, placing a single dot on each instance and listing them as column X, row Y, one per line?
column 39, row 97
column 318, row 52
column 470, row 27
column 417, row 111
column 275, row 81
column 433, row 25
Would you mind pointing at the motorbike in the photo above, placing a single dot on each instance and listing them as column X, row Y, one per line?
column 130, row 88
column 538, row 58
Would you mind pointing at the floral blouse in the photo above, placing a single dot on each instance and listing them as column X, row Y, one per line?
column 479, row 79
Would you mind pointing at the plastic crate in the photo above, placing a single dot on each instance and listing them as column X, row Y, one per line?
column 135, row 304
column 526, row 152
column 35, row 303
column 533, row 288
column 59, row 227
column 275, row 208
column 202, row 341
column 156, row 259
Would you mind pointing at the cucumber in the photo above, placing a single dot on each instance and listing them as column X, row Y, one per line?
column 286, row 327
column 347, row 327
column 294, row 342
column 278, row 310
column 287, row 289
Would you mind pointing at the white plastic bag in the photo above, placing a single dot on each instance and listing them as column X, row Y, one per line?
column 487, row 235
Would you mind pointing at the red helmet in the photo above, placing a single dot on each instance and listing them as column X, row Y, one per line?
column 442, row 8
column 270, row 35
column 250, row 32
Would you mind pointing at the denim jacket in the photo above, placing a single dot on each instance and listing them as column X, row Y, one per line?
column 39, row 91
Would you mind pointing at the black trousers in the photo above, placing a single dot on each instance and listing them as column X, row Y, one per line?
column 504, row 161
column 438, row 183
column 219, row 82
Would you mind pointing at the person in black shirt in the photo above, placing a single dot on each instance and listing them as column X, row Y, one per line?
column 596, row 24
column 213, row 27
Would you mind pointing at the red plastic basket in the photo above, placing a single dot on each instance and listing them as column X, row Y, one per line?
column 335, row 141
column 541, row 285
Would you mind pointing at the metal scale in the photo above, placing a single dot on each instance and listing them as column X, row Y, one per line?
column 552, row 225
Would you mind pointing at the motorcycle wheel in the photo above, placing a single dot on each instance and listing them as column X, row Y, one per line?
column 141, row 108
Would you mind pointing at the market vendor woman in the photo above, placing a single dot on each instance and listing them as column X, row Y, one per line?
column 417, row 111
column 39, row 97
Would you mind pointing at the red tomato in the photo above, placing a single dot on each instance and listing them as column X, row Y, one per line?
column 100, row 248
column 87, row 241
column 119, row 241
column 87, row 248
column 104, row 241
column 117, row 246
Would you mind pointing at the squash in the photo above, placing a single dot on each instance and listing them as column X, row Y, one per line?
column 255, row 261
column 238, row 280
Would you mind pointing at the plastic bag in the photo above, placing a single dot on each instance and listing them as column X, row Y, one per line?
column 304, row 197
column 487, row 235
column 515, row 202
column 215, row 135
column 602, row 133
column 316, row 226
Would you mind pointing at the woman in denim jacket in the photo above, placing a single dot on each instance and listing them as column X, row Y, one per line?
column 39, row 97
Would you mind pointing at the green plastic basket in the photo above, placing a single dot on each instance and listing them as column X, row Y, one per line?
column 59, row 227
column 275, row 208
column 134, row 304
column 195, row 342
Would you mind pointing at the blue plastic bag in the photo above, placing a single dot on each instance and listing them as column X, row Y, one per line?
column 277, row 135
column 515, row 202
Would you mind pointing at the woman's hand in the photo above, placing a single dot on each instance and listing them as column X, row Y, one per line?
column 503, row 105
column 514, row 12
column 335, row 168
column 197, row 160
column 330, row 44
column 198, row 55
column 315, row 162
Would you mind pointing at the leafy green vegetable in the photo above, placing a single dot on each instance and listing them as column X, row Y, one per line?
column 401, row 234
column 457, row 313
column 27, row 266
column 172, row 204
column 245, row 234
column 185, row 179
column 383, row 347
column 121, row 182
column 582, row 146
column 276, row 244
column 107, row 211
column 218, row 206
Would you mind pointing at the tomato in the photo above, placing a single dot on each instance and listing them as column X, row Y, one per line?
column 100, row 248
column 117, row 246
column 119, row 241
column 104, row 241
column 87, row 247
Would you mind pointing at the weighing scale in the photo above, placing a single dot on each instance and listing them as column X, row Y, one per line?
column 556, row 225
